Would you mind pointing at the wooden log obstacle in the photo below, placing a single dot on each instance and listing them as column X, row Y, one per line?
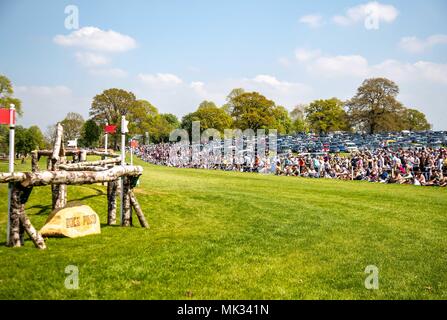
column 59, row 174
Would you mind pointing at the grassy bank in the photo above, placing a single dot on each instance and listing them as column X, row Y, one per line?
column 222, row 235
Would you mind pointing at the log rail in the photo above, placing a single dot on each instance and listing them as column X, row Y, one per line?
column 43, row 178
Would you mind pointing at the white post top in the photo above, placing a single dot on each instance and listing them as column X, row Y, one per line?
column 124, row 124
column 12, row 108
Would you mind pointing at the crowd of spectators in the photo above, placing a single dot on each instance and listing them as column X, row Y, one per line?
column 422, row 166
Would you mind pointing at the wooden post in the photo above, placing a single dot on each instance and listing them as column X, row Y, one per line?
column 14, row 217
column 35, row 236
column 49, row 164
column 138, row 211
column 112, row 187
column 34, row 161
column 59, row 196
column 62, row 196
column 59, row 192
column 57, row 143
column 83, row 156
column 126, row 203
column 54, row 196
column 62, row 188
column 19, row 221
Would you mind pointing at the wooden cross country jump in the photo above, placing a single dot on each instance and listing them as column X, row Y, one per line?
column 61, row 173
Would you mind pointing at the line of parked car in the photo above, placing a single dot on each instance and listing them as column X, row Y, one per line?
column 341, row 142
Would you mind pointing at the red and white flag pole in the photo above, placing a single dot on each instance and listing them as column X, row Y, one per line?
column 12, row 111
column 124, row 130
column 131, row 152
column 106, row 139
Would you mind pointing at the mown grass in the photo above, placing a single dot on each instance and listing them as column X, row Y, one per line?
column 221, row 235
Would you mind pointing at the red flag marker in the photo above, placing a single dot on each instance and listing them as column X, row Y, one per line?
column 134, row 144
column 110, row 129
column 5, row 116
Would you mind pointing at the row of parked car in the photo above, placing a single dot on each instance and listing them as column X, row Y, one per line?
column 352, row 142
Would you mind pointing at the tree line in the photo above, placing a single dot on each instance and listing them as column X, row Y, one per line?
column 373, row 109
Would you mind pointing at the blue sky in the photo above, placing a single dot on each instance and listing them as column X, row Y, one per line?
column 177, row 53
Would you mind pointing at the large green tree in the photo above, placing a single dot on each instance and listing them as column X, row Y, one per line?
column 210, row 117
column 229, row 105
column 90, row 134
column 163, row 125
column 414, row 120
column 37, row 137
column 27, row 140
column 50, row 136
column 326, row 115
column 251, row 110
column 375, row 108
column 7, row 95
column 298, row 117
column 298, row 112
column 110, row 105
column 72, row 124
column 171, row 119
column 142, row 116
column 283, row 121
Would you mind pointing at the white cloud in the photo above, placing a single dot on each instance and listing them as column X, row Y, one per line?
column 185, row 97
column 371, row 13
column 198, row 87
column 416, row 45
column 411, row 72
column 303, row 55
column 95, row 39
column 422, row 84
column 339, row 66
column 357, row 66
column 160, row 79
column 331, row 66
column 202, row 91
column 45, row 105
column 266, row 79
column 48, row 91
column 434, row 72
column 109, row 72
column 283, row 92
column 90, row 59
column 273, row 82
column 312, row 20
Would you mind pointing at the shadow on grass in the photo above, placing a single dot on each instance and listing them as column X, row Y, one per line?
column 105, row 225
column 42, row 208
column 48, row 208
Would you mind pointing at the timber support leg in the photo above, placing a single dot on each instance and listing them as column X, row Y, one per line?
column 138, row 211
column 14, row 220
column 35, row 236
column 112, row 188
column 34, row 161
column 59, row 195
column 127, row 210
column 19, row 196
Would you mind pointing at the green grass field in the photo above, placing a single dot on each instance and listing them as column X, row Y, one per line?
column 220, row 235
